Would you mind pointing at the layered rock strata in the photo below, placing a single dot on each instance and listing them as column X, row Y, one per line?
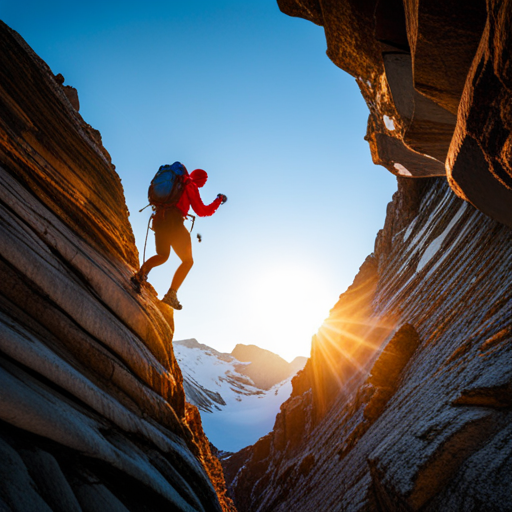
column 437, row 79
column 92, row 409
column 405, row 401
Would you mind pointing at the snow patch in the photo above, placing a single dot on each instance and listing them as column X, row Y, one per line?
column 430, row 252
column 390, row 124
column 427, row 227
column 409, row 231
column 431, row 157
column 234, row 412
column 460, row 236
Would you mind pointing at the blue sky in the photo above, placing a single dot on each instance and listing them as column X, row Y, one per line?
column 247, row 93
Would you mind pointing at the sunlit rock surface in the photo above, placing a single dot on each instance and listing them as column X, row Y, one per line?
column 436, row 77
column 92, row 408
column 405, row 403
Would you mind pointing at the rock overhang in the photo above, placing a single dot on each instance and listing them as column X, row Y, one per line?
column 436, row 79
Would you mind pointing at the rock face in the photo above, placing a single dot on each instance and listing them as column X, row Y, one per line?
column 405, row 402
column 437, row 79
column 92, row 408
column 266, row 368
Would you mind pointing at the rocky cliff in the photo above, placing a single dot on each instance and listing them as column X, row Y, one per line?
column 405, row 402
column 437, row 80
column 92, row 409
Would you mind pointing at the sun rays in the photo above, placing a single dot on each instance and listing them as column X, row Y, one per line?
column 346, row 341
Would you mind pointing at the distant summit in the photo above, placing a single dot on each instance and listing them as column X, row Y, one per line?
column 298, row 364
column 266, row 368
column 238, row 400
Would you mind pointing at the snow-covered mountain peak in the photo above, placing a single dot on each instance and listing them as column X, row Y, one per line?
column 235, row 412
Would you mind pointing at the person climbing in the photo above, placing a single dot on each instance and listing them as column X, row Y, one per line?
column 169, row 228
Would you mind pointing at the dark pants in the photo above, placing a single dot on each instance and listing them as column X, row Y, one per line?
column 170, row 231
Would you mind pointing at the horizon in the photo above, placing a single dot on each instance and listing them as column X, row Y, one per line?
column 243, row 344
column 273, row 121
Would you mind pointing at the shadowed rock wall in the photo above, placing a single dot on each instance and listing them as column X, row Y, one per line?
column 92, row 408
column 437, row 79
column 405, row 402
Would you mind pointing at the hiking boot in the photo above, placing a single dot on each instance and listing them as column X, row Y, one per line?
column 171, row 300
column 138, row 279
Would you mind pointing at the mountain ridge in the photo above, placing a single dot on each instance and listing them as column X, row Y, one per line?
column 266, row 368
column 235, row 411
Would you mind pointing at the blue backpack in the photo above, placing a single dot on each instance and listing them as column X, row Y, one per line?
column 167, row 185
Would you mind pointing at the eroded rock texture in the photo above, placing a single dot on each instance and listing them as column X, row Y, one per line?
column 92, row 408
column 405, row 402
column 437, row 79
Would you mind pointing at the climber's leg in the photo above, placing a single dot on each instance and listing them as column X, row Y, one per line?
column 182, row 246
column 163, row 250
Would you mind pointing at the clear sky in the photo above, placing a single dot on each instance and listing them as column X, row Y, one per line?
column 247, row 93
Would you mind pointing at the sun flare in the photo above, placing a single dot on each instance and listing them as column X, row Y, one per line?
column 290, row 304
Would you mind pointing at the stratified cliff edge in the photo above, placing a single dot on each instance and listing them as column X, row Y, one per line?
column 405, row 403
column 92, row 409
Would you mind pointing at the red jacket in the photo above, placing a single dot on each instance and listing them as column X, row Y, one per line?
column 190, row 197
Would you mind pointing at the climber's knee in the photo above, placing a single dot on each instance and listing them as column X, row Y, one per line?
column 189, row 262
column 163, row 253
column 164, row 257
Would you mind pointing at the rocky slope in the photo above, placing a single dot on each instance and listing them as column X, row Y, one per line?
column 405, row 403
column 235, row 411
column 92, row 409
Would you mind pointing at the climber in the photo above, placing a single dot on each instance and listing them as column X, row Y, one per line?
column 170, row 231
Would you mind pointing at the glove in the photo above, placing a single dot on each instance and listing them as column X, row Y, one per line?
column 222, row 197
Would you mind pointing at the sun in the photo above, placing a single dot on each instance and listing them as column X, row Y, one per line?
column 289, row 304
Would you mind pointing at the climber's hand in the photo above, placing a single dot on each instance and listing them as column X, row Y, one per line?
column 223, row 198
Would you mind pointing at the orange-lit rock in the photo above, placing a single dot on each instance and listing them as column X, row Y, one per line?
column 480, row 160
column 208, row 459
column 443, row 38
column 266, row 368
column 436, row 78
column 92, row 407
